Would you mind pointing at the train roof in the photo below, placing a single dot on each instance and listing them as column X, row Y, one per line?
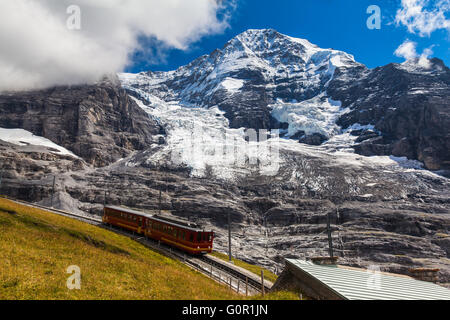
column 128, row 210
column 170, row 220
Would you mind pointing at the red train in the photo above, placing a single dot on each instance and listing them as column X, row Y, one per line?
column 176, row 233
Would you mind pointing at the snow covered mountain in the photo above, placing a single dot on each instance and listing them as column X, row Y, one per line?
column 262, row 79
column 254, row 73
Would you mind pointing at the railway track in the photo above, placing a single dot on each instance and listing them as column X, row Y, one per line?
column 241, row 282
column 252, row 282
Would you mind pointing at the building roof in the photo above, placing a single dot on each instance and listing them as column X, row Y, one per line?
column 359, row 284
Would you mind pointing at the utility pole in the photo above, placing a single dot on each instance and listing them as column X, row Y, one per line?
column 262, row 283
column 104, row 200
column 53, row 191
column 1, row 176
column 330, row 239
column 160, row 200
column 229, row 236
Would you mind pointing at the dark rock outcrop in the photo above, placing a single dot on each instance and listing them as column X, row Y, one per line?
column 99, row 123
column 408, row 104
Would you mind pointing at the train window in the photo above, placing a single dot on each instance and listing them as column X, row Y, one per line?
column 199, row 237
column 209, row 237
column 175, row 233
column 191, row 238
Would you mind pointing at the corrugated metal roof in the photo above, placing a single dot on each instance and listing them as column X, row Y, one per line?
column 358, row 284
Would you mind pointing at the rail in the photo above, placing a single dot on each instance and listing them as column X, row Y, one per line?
column 213, row 268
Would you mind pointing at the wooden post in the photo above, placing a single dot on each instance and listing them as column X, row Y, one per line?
column 160, row 200
column 246, row 286
column 330, row 239
column 53, row 191
column 211, row 271
column 239, row 282
column 229, row 237
column 230, row 283
column 1, row 177
column 262, row 282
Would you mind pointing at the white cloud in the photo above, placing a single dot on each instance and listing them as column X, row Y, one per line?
column 38, row 50
column 408, row 50
column 424, row 16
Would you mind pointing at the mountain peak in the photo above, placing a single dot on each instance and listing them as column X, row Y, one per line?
column 266, row 38
column 423, row 65
column 273, row 46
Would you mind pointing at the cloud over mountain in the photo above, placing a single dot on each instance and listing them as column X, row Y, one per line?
column 424, row 16
column 39, row 50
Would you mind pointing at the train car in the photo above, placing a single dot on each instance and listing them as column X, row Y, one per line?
column 177, row 233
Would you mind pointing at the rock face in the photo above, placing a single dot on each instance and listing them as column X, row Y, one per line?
column 99, row 123
column 396, row 220
column 409, row 106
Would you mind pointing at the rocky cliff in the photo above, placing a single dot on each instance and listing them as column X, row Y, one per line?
column 99, row 123
column 408, row 104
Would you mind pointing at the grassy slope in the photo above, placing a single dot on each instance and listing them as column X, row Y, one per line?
column 268, row 275
column 36, row 248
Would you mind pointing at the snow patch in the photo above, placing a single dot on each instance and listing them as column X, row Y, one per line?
column 232, row 85
column 22, row 137
column 201, row 139
column 317, row 115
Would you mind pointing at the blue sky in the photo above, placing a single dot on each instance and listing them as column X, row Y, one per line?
column 338, row 24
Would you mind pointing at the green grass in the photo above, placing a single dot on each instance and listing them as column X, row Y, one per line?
column 268, row 275
column 37, row 247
